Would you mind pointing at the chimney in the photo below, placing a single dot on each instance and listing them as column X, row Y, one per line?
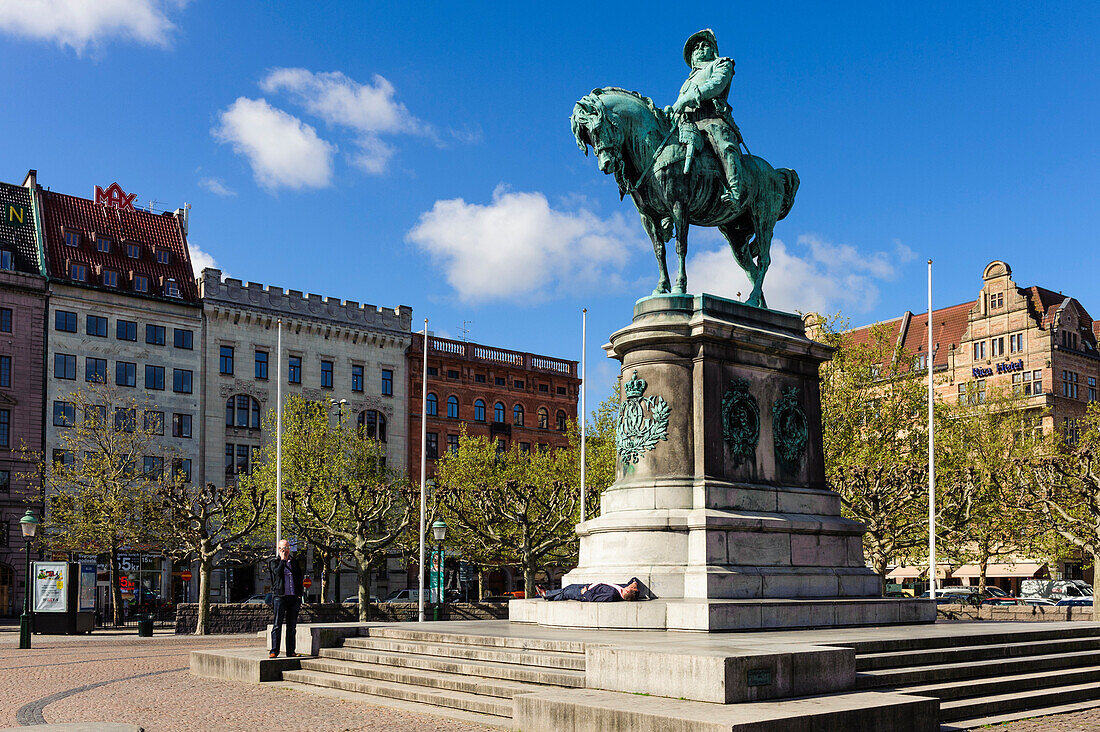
column 31, row 181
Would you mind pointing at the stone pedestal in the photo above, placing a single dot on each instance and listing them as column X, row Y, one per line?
column 720, row 504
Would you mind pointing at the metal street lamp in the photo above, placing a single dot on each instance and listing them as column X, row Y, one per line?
column 439, row 530
column 29, row 525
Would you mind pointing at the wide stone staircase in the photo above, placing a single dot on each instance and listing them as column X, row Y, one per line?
column 467, row 676
column 989, row 678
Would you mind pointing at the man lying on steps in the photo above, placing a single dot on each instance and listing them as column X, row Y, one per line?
column 595, row 592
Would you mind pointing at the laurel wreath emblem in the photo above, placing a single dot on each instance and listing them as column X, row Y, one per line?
column 740, row 421
column 636, row 434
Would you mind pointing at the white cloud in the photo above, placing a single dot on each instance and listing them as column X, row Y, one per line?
column 827, row 277
column 200, row 260
column 216, row 186
column 519, row 248
column 83, row 23
column 282, row 150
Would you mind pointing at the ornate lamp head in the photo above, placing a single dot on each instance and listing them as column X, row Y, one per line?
column 635, row 387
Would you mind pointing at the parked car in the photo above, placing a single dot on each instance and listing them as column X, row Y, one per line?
column 959, row 595
column 403, row 596
column 255, row 600
column 355, row 600
column 1075, row 602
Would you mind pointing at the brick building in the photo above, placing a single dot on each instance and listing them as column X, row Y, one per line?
column 511, row 397
column 22, row 396
column 1040, row 343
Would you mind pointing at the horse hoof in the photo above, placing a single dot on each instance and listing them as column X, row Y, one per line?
column 679, row 290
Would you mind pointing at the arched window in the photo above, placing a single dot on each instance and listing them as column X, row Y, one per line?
column 517, row 415
column 498, row 412
column 373, row 424
column 479, row 410
column 544, row 418
column 433, row 405
column 242, row 411
column 452, row 407
column 561, row 421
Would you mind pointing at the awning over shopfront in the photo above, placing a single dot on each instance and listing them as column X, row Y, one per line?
column 916, row 571
column 1020, row 569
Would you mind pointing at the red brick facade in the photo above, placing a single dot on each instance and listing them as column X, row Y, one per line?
column 545, row 388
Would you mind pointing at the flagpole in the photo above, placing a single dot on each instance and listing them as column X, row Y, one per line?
column 423, row 467
column 584, row 412
column 931, row 456
column 279, row 438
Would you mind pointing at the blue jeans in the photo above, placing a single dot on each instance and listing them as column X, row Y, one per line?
column 286, row 612
column 569, row 592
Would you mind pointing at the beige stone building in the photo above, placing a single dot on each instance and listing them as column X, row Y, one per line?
column 341, row 353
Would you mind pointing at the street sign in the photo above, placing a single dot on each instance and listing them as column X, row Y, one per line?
column 307, row 583
column 185, row 575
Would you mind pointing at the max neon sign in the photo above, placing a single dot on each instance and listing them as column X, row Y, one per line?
column 115, row 197
column 1002, row 368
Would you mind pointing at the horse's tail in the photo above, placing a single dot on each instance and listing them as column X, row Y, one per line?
column 790, row 187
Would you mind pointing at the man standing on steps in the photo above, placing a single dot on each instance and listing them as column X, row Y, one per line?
column 286, row 590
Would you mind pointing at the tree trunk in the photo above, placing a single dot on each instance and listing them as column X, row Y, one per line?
column 1095, row 578
column 324, row 558
column 982, row 570
column 529, row 570
column 206, row 569
column 116, row 590
column 879, row 562
column 481, row 572
column 362, row 573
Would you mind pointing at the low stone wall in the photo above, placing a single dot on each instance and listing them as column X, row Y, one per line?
column 254, row 617
column 1013, row 613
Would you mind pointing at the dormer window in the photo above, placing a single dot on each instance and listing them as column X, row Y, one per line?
column 163, row 257
column 72, row 238
column 102, row 244
column 141, row 283
column 133, row 250
column 171, row 288
column 78, row 272
column 997, row 300
column 7, row 261
column 110, row 278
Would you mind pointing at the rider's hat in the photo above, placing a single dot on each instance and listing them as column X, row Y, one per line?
column 704, row 35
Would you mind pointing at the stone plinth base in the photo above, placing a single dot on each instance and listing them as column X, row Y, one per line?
column 722, row 615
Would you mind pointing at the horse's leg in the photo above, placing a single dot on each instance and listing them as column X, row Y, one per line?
column 738, row 239
column 654, row 232
column 763, row 245
column 679, row 220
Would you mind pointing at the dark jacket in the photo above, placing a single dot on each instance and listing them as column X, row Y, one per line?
column 277, row 567
column 601, row 593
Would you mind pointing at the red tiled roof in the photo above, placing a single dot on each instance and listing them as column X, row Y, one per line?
column 1045, row 302
column 152, row 231
column 948, row 326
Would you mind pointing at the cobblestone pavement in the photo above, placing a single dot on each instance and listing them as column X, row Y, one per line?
column 1086, row 721
column 118, row 677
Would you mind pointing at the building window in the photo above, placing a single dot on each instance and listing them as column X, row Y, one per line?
column 373, row 424
column 518, row 384
column 972, row 392
column 433, row 371
column 525, row 447
column 432, row 406
column 979, row 350
column 102, row 244
column 920, row 362
column 78, row 272
column 261, row 365
column 163, row 257
column 133, row 251
column 237, row 460
column 499, row 381
column 64, row 366
column 433, row 445
column 5, row 320
column 181, row 425
column 997, row 300
column 5, row 428
column 95, row 416
column 517, row 415
column 72, row 238
column 225, row 361
column 125, row 330
column 997, row 346
column 154, row 422
column 544, row 418
column 1069, row 384
column 242, row 411
column 1071, row 429
column 544, row 388
column 5, row 481
column 295, row 372
column 452, row 374
column 125, row 373
column 1016, row 342
column 452, row 444
column 452, row 407
column 6, row 260
column 171, row 288
column 563, row 422
column 64, row 321
column 141, row 283
column 152, row 467
column 502, row 446
column 1069, row 340
column 110, row 278
column 182, row 338
column 479, row 378
column 63, row 457
column 387, row 382
column 326, row 374
column 498, row 412
column 5, row 371
column 125, row 419
column 561, row 390
column 96, row 326
column 95, row 370
column 356, row 377
column 181, row 468
column 479, row 410
column 1027, row 383
column 155, row 335
column 181, row 381
column 154, row 377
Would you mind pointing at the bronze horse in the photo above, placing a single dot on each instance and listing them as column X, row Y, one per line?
column 626, row 131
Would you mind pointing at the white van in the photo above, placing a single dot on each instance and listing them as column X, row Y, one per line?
column 403, row 596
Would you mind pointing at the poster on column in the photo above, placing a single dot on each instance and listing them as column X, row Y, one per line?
column 87, row 586
column 50, row 585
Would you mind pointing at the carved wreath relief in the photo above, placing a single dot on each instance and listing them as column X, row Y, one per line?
column 740, row 421
column 790, row 428
column 635, row 434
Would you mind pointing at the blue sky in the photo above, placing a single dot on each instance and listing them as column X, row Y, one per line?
column 424, row 157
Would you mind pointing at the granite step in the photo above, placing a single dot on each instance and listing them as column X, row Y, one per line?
column 997, row 720
column 574, row 661
column 977, row 652
column 990, row 635
column 468, row 683
column 483, row 669
column 406, row 692
column 494, row 641
column 1019, row 700
column 995, row 685
column 898, row 677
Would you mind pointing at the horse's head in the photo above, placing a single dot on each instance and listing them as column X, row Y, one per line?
column 597, row 126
